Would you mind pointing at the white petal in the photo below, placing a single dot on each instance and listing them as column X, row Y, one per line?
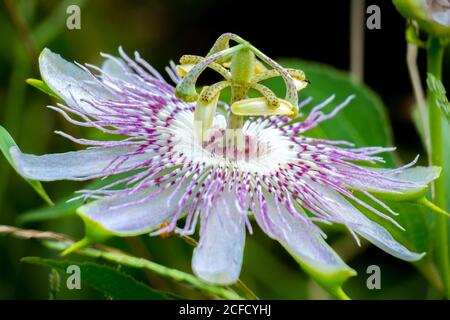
column 128, row 215
column 300, row 84
column 218, row 258
column 74, row 165
column 420, row 176
column 306, row 244
column 70, row 82
column 357, row 221
column 117, row 68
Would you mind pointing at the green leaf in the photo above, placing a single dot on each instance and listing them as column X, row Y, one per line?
column 41, row 85
column 54, row 24
column 140, row 263
column 112, row 283
column 438, row 90
column 363, row 122
column 61, row 209
column 6, row 142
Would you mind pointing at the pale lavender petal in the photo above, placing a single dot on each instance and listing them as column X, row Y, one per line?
column 74, row 165
column 420, row 178
column 115, row 67
column 302, row 239
column 218, row 257
column 345, row 212
column 133, row 214
column 73, row 84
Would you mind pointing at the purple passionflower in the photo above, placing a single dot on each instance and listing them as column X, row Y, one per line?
column 285, row 180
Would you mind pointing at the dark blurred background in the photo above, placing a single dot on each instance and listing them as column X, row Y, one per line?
column 162, row 31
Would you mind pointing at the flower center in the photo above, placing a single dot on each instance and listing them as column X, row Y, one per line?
column 257, row 147
column 243, row 67
column 234, row 145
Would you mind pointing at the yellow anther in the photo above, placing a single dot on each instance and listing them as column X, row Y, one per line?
column 259, row 67
column 300, row 84
column 204, row 114
column 183, row 69
column 268, row 94
column 188, row 61
column 298, row 77
column 213, row 91
column 260, row 107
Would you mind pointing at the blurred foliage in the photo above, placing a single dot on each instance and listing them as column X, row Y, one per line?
column 26, row 27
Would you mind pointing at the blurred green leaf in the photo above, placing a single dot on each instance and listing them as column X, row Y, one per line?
column 6, row 142
column 363, row 122
column 54, row 24
column 61, row 209
column 112, row 283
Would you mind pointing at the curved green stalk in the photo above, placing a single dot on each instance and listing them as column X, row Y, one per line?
column 140, row 263
column 341, row 295
column 430, row 205
column 435, row 55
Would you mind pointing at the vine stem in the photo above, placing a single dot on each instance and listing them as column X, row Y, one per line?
column 59, row 242
column 140, row 263
column 357, row 30
column 434, row 67
column 341, row 295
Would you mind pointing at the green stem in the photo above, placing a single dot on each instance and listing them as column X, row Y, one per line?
column 433, row 207
column 140, row 263
column 60, row 242
column 242, row 71
column 237, row 93
column 435, row 55
column 341, row 295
